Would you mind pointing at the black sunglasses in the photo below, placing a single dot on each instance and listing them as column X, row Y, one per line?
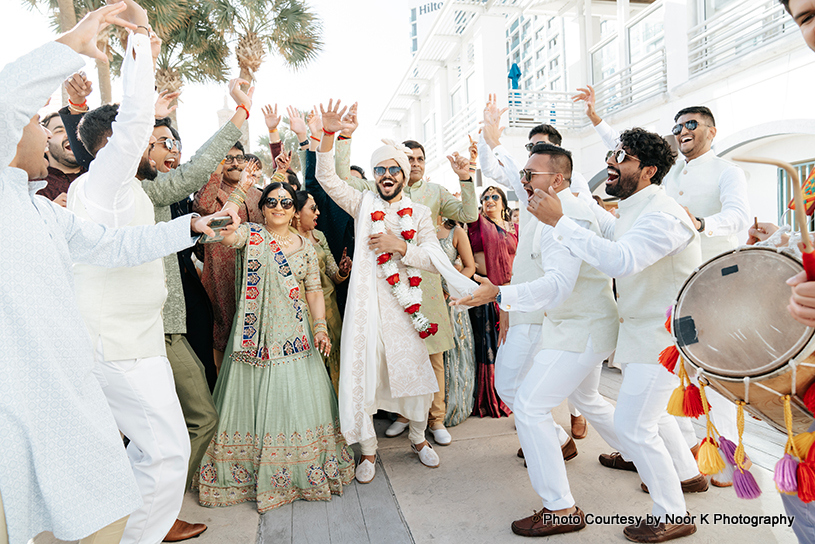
column 237, row 158
column 379, row 171
column 170, row 143
column 690, row 125
column 285, row 203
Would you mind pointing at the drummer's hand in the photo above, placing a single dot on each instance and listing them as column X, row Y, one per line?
column 760, row 234
column 802, row 301
column 323, row 343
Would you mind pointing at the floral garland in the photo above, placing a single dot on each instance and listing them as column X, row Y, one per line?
column 408, row 295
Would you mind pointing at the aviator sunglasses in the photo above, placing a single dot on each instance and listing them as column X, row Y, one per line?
column 619, row 156
column 490, row 197
column 379, row 171
column 285, row 203
column 169, row 143
column 690, row 125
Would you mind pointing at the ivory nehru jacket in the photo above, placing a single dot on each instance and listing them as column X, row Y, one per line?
column 644, row 297
column 527, row 264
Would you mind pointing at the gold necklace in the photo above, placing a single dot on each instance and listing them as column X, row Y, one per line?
column 282, row 241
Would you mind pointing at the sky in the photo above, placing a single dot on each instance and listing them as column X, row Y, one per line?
column 366, row 52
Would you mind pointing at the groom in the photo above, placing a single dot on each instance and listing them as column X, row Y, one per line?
column 385, row 361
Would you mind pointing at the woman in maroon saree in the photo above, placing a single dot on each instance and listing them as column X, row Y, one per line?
column 494, row 240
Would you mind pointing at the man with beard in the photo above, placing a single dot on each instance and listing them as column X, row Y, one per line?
column 122, row 307
column 651, row 248
column 385, row 362
column 62, row 166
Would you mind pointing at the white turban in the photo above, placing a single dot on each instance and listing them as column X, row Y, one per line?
column 392, row 150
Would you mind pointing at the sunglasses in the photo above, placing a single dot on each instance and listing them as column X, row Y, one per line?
column 379, row 171
column 526, row 175
column 490, row 197
column 285, row 203
column 236, row 158
column 169, row 143
column 619, row 156
column 690, row 125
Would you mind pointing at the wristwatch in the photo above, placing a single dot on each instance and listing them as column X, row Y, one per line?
column 498, row 298
column 701, row 224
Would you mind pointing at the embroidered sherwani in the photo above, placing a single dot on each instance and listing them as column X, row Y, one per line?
column 385, row 363
column 62, row 465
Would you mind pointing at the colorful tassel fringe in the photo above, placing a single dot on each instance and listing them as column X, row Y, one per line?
column 692, row 405
column 668, row 358
column 803, row 444
column 785, row 475
column 743, row 482
column 809, row 398
column 708, row 458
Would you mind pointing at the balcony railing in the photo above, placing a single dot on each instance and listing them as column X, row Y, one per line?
column 459, row 126
column 531, row 108
column 740, row 29
column 431, row 147
column 644, row 78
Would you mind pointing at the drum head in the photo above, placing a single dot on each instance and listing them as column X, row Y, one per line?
column 731, row 315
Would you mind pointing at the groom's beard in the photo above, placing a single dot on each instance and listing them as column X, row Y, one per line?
column 397, row 189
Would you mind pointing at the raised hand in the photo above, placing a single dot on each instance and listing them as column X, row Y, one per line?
column 249, row 176
column 345, row 263
column 78, row 87
column 491, row 124
column 163, row 107
column 460, row 165
column 283, row 161
column 332, row 117
column 155, row 44
column 315, row 122
column 297, row 123
column 486, row 292
column 473, row 149
column 238, row 95
column 270, row 116
column 351, row 120
column 586, row 94
column 82, row 37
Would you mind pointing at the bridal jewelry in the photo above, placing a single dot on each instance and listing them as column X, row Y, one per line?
column 282, row 241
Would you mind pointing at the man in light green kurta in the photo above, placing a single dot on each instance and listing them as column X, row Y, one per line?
column 441, row 204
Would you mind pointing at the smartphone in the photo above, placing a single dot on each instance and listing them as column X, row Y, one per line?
column 217, row 224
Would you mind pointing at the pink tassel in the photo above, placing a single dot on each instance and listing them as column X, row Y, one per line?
column 785, row 476
column 728, row 450
column 745, row 485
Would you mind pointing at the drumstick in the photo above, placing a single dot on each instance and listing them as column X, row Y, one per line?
column 800, row 211
column 755, row 223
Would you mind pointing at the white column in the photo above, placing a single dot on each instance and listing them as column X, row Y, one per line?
column 623, row 14
column 490, row 48
column 676, row 25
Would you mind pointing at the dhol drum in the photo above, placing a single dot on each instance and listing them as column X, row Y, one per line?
column 730, row 321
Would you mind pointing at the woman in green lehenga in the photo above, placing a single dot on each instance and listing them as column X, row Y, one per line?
column 330, row 274
column 278, row 437
column 459, row 362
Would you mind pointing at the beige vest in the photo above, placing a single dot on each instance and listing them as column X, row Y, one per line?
column 644, row 298
column 527, row 264
column 590, row 310
column 695, row 185
column 122, row 306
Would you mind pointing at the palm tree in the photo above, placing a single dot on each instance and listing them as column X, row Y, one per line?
column 287, row 27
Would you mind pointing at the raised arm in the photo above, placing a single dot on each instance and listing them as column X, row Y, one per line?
column 607, row 133
column 466, row 209
column 346, row 197
column 78, row 87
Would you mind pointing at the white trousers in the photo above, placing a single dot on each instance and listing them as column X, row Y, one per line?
column 416, row 430
column 651, row 437
column 141, row 394
column 512, row 363
column 554, row 376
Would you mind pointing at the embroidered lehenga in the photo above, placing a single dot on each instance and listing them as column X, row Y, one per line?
column 278, row 437
column 333, row 317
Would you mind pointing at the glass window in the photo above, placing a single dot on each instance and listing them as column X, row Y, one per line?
column 527, row 66
column 604, row 61
column 712, row 7
column 528, row 84
column 514, row 25
column 553, row 43
column 412, row 15
column 646, row 36
column 429, row 127
column 550, row 22
column 455, row 101
column 553, row 64
column 540, row 54
column 472, row 93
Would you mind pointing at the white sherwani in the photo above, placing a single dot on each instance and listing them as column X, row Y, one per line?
column 384, row 362
column 63, row 467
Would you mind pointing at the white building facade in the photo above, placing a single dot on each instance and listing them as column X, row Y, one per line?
column 744, row 59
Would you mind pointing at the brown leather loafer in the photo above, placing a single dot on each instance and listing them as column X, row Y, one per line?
column 569, row 451
column 697, row 484
column 181, row 530
column 657, row 533
column 695, row 450
column 615, row 460
column 579, row 427
column 544, row 523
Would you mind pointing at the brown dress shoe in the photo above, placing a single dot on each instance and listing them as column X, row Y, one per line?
column 181, row 530
column 695, row 450
column 569, row 451
column 615, row 460
column 657, row 533
column 579, row 427
column 697, row 484
column 544, row 523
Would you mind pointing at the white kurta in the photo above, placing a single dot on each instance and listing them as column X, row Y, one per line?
column 63, row 467
column 384, row 362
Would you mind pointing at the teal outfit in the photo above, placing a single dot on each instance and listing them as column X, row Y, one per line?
column 278, row 437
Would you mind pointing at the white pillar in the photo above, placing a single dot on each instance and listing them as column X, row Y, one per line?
column 491, row 73
column 676, row 24
column 623, row 14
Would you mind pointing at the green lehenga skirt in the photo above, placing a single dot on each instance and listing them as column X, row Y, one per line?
column 278, row 437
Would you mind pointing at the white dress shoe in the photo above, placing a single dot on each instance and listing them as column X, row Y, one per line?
column 427, row 456
column 365, row 471
column 441, row 436
column 396, row 428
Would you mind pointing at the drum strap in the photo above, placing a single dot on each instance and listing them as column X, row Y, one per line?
column 747, row 390
column 793, row 377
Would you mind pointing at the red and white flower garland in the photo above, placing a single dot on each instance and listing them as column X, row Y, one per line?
column 409, row 295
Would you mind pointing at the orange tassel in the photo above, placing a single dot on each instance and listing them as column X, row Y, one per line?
column 809, row 398
column 668, row 358
column 668, row 323
column 692, row 405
